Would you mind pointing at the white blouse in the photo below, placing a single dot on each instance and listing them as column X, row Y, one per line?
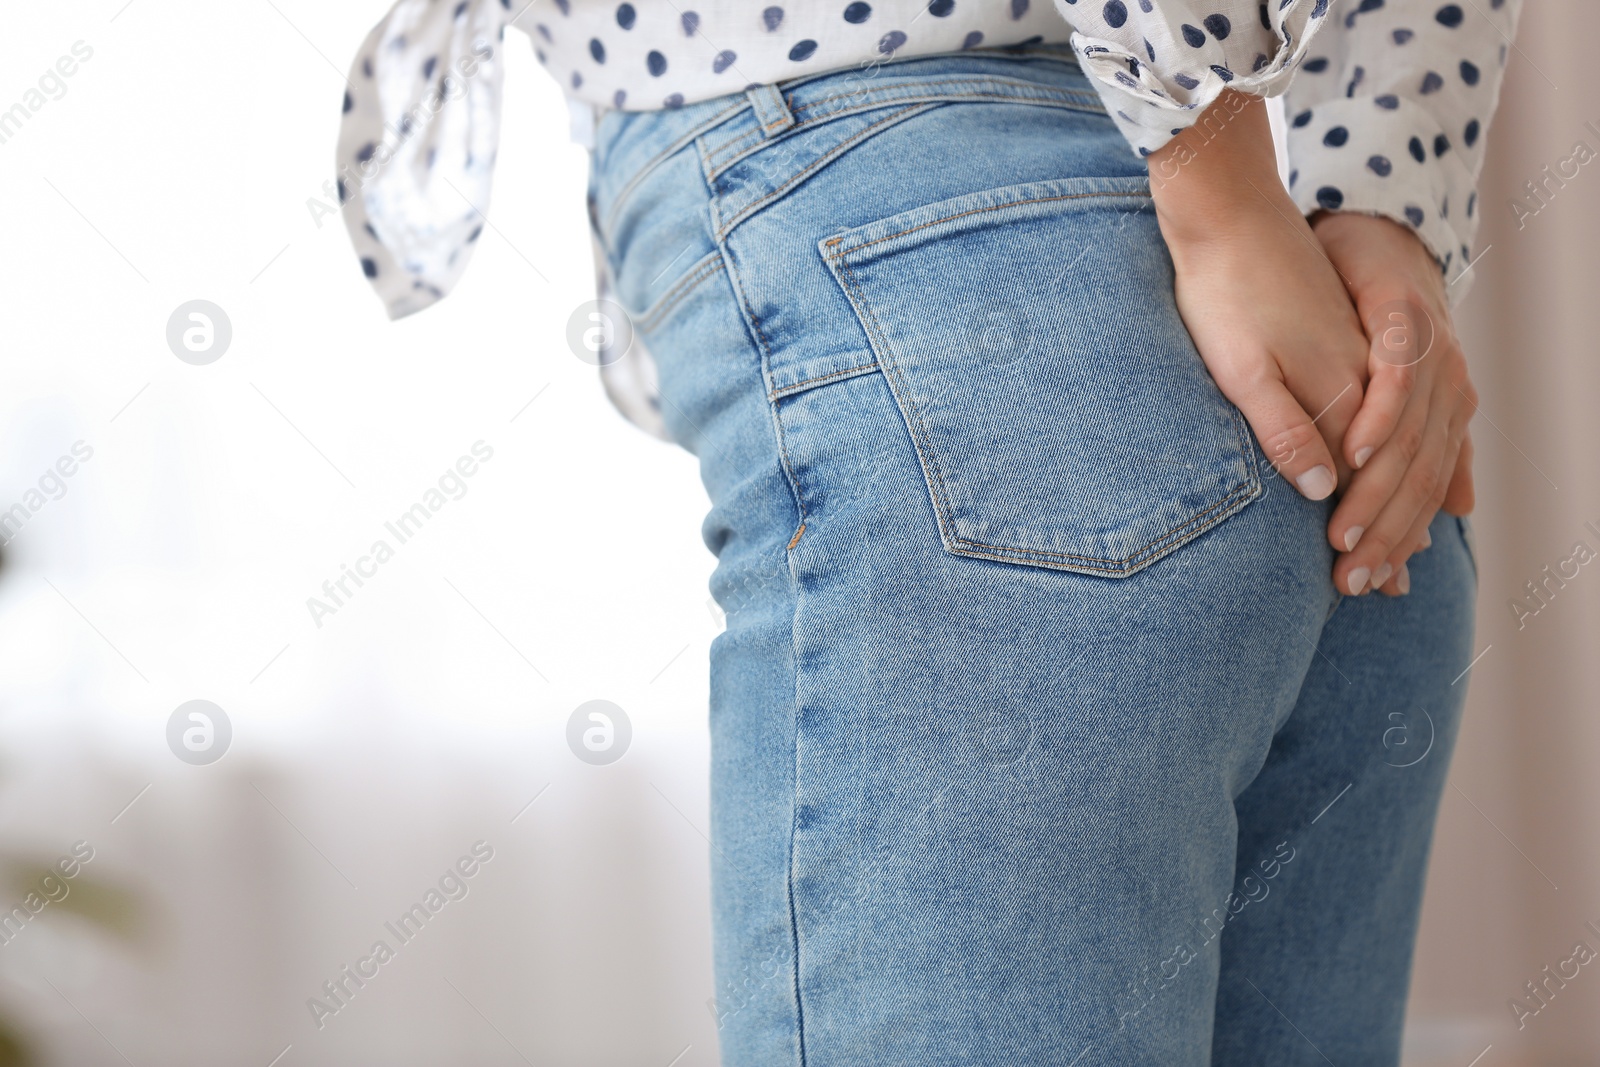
column 1388, row 100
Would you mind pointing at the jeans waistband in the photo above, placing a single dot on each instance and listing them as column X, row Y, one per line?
column 629, row 145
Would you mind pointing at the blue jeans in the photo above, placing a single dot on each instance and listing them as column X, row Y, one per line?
column 1040, row 734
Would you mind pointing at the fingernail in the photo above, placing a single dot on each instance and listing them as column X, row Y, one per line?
column 1362, row 457
column 1403, row 579
column 1427, row 539
column 1316, row 483
column 1382, row 576
column 1352, row 536
column 1358, row 580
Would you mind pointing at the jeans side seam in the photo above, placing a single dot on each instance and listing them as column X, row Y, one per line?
column 764, row 347
column 796, row 590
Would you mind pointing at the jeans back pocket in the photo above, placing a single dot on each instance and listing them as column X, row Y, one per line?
column 1059, row 409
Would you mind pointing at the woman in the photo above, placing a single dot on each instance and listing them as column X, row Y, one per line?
column 1053, row 721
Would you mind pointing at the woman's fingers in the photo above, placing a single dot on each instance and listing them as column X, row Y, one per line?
column 1287, row 434
column 1417, row 539
column 1399, row 584
column 1388, row 392
column 1407, row 444
column 1439, row 405
column 1437, row 465
column 1376, row 484
column 1371, row 562
column 1458, row 456
column 1401, row 335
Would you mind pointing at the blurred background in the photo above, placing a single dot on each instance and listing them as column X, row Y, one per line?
column 175, row 519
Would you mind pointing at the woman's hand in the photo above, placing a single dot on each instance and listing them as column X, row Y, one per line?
column 1409, row 442
column 1264, row 304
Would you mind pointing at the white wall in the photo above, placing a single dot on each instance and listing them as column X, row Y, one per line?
column 378, row 747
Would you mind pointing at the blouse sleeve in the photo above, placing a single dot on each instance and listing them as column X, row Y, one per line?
column 1389, row 113
column 417, row 145
column 1158, row 64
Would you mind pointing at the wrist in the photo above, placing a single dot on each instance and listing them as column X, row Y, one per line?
column 1220, row 171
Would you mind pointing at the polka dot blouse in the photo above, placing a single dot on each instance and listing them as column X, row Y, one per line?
column 421, row 114
column 1388, row 100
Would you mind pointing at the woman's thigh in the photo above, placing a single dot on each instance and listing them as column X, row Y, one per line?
column 1015, row 607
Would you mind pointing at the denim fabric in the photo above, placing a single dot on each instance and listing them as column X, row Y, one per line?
column 1039, row 732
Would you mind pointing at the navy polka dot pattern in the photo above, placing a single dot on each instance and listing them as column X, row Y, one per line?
column 1408, row 142
column 397, row 170
column 403, row 157
column 1390, row 99
column 1179, row 56
column 642, row 54
column 1387, row 100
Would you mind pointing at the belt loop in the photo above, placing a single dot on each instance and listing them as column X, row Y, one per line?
column 770, row 109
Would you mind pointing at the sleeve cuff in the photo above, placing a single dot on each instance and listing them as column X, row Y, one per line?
column 1388, row 156
column 1156, row 95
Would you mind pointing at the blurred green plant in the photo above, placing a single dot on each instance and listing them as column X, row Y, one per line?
column 104, row 905
column 108, row 907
